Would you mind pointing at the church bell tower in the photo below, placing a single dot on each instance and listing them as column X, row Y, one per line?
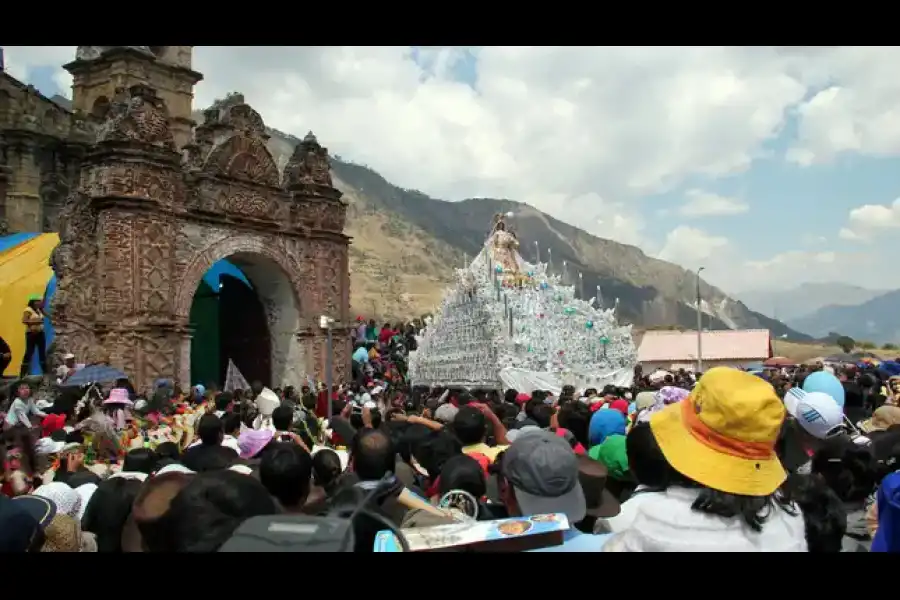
column 99, row 71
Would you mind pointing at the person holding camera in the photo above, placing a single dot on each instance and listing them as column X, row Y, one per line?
column 283, row 421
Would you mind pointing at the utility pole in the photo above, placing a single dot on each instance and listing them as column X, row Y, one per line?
column 699, row 325
column 325, row 323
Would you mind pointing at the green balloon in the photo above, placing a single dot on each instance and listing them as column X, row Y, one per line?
column 604, row 340
column 569, row 310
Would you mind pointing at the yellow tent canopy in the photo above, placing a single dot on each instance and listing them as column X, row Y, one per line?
column 24, row 271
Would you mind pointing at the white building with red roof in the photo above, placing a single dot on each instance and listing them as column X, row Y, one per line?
column 678, row 349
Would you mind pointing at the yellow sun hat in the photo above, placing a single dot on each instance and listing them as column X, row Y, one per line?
column 723, row 435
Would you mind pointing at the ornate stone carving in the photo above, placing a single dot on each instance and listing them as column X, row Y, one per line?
column 125, row 180
column 155, row 270
column 74, row 263
column 340, row 346
column 139, row 232
column 244, row 203
column 137, row 115
column 243, row 157
column 308, row 165
column 75, row 260
column 330, row 284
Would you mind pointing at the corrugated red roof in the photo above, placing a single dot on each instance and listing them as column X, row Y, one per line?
column 743, row 344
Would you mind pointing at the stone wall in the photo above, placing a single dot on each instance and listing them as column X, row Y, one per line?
column 41, row 146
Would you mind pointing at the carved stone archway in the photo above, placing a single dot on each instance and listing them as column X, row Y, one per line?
column 273, row 276
column 147, row 223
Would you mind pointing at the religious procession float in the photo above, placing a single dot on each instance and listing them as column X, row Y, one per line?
column 510, row 324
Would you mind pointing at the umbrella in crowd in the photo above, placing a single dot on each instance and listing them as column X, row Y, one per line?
column 779, row 361
column 94, row 374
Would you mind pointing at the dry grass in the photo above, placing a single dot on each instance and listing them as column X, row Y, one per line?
column 802, row 352
column 397, row 271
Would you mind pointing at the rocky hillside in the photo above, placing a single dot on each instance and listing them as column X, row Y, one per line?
column 405, row 245
column 651, row 292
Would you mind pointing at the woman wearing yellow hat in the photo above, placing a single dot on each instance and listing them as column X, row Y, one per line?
column 720, row 479
column 33, row 319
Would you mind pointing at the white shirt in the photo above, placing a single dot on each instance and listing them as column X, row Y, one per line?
column 665, row 522
column 229, row 441
column 627, row 513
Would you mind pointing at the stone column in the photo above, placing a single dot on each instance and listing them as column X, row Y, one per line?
column 23, row 199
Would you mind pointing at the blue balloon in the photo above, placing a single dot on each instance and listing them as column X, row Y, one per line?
column 823, row 381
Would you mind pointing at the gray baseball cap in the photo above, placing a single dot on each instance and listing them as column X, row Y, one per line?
column 543, row 470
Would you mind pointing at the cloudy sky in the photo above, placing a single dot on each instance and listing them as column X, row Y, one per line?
column 768, row 166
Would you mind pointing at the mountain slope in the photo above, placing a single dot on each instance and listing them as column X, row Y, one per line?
column 805, row 299
column 406, row 245
column 877, row 320
column 650, row 291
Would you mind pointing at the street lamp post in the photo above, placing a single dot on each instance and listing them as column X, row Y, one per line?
column 537, row 253
column 699, row 325
column 581, row 285
column 325, row 323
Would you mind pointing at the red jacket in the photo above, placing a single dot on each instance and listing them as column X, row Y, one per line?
column 322, row 403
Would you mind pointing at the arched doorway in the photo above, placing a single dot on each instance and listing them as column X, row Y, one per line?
column 229, row 323
column 244, row 309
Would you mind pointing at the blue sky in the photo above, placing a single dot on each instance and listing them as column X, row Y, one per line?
column 507, row 122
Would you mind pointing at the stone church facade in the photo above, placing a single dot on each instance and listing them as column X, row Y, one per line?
column 150, row 202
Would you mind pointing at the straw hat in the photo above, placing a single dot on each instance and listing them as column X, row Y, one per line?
column 884, row 417
column 723, row 435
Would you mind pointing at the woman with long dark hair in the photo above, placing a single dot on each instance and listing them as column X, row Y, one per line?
column 717, row 483
column 33, row 319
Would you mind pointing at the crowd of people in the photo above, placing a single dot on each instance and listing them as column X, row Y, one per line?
column 382, row 352
column 800, row 459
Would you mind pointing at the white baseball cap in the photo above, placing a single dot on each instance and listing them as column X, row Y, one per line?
column 816, row 412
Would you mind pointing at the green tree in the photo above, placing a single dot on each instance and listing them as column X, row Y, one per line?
column 889, row 346
column 866, row 345
column 845, row 343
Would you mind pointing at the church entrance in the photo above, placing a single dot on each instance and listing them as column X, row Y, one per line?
column 229, row 323
column 243, row 312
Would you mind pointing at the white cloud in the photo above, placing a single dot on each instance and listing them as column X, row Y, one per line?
column 810, row 239
column 869, row 220
column 724, row 267
column 21, row 60
column 551, row 126
column 707, row 204
column 851, row 104
column 787, row 270
column 692, row 247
